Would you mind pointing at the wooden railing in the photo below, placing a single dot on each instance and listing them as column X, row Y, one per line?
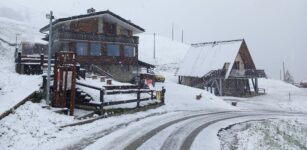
column 32, row 59
column 124, row 89
column 69, row 35
column 31, row 64
column 215, row 73
column 247, row 73
column 100, row 71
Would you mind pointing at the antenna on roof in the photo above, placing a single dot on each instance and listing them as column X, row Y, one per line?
column 91, row 10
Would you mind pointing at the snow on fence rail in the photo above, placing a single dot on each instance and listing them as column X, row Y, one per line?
column 123, row 89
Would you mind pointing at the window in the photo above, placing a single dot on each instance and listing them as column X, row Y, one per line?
column 129, row 51
column 113, row 50
column 236, row 65
column 95, row 49
column 81, row 49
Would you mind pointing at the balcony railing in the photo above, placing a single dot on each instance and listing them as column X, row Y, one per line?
column 247, row 73
column 69, row 35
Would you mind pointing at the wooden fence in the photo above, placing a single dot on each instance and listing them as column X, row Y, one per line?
column 123, row 89
column 31, row 64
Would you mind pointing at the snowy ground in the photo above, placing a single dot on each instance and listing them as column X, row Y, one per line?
column 29, row 127
column 266, row 134
column 13, row 87
column 179, row 99
column 180, row 102
column 279, row 96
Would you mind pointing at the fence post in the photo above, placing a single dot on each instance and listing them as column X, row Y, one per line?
column 102, row 92
column 163, row 95
column 44, row 84
column 18, row 60
column 138, row 97
column 151, row 94
column 42, row 60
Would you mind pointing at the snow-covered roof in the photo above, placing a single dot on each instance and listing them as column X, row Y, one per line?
column 107, row 15
column 204, row 57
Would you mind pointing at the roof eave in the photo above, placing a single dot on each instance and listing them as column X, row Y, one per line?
column 46, row 28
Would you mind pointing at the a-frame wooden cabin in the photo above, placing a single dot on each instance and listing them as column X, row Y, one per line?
column 222, row 67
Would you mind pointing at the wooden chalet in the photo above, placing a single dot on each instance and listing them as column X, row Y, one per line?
column 222, row 67
column 103, row 41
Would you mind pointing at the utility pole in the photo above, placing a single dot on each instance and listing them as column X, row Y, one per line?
column 154, row 54
column 172, row 31
column 16, row 49
column 182, row 36
column 50, row 17
column 17, row 34
column 283, row 66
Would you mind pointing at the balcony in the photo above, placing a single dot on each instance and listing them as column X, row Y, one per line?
column 68, row 35
column 247, row 73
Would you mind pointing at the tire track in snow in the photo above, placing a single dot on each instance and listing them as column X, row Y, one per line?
column 188, row 141
column 176, row 139
column 142, row 139
column 84, row 142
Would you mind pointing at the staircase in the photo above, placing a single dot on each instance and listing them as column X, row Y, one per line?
column 100, row 71
column 81, row 96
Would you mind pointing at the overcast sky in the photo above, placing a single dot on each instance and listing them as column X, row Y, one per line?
column 275, row 30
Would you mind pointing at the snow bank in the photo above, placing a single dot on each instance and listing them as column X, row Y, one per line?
column 181, row 97
column 273, row 86
column 265, row 134
column 30, row 126
column 280, row 96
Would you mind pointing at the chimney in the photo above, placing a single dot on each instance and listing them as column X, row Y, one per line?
column 91, row 10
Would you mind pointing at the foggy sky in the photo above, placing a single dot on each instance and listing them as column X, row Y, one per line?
column 275, row 30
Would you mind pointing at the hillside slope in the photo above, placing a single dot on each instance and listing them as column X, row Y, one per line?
column 14, row 87
column 167, row 51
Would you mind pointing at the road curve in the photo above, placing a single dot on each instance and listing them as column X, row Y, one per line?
column 183, row 137
column 178, row 133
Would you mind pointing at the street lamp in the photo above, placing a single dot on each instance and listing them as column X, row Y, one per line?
column 50, row 17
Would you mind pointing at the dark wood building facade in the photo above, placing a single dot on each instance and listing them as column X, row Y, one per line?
column 102, row 39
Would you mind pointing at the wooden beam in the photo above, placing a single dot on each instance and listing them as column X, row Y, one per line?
column 221, row 88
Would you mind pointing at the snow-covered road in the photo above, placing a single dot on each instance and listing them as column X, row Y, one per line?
column 180, row 130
